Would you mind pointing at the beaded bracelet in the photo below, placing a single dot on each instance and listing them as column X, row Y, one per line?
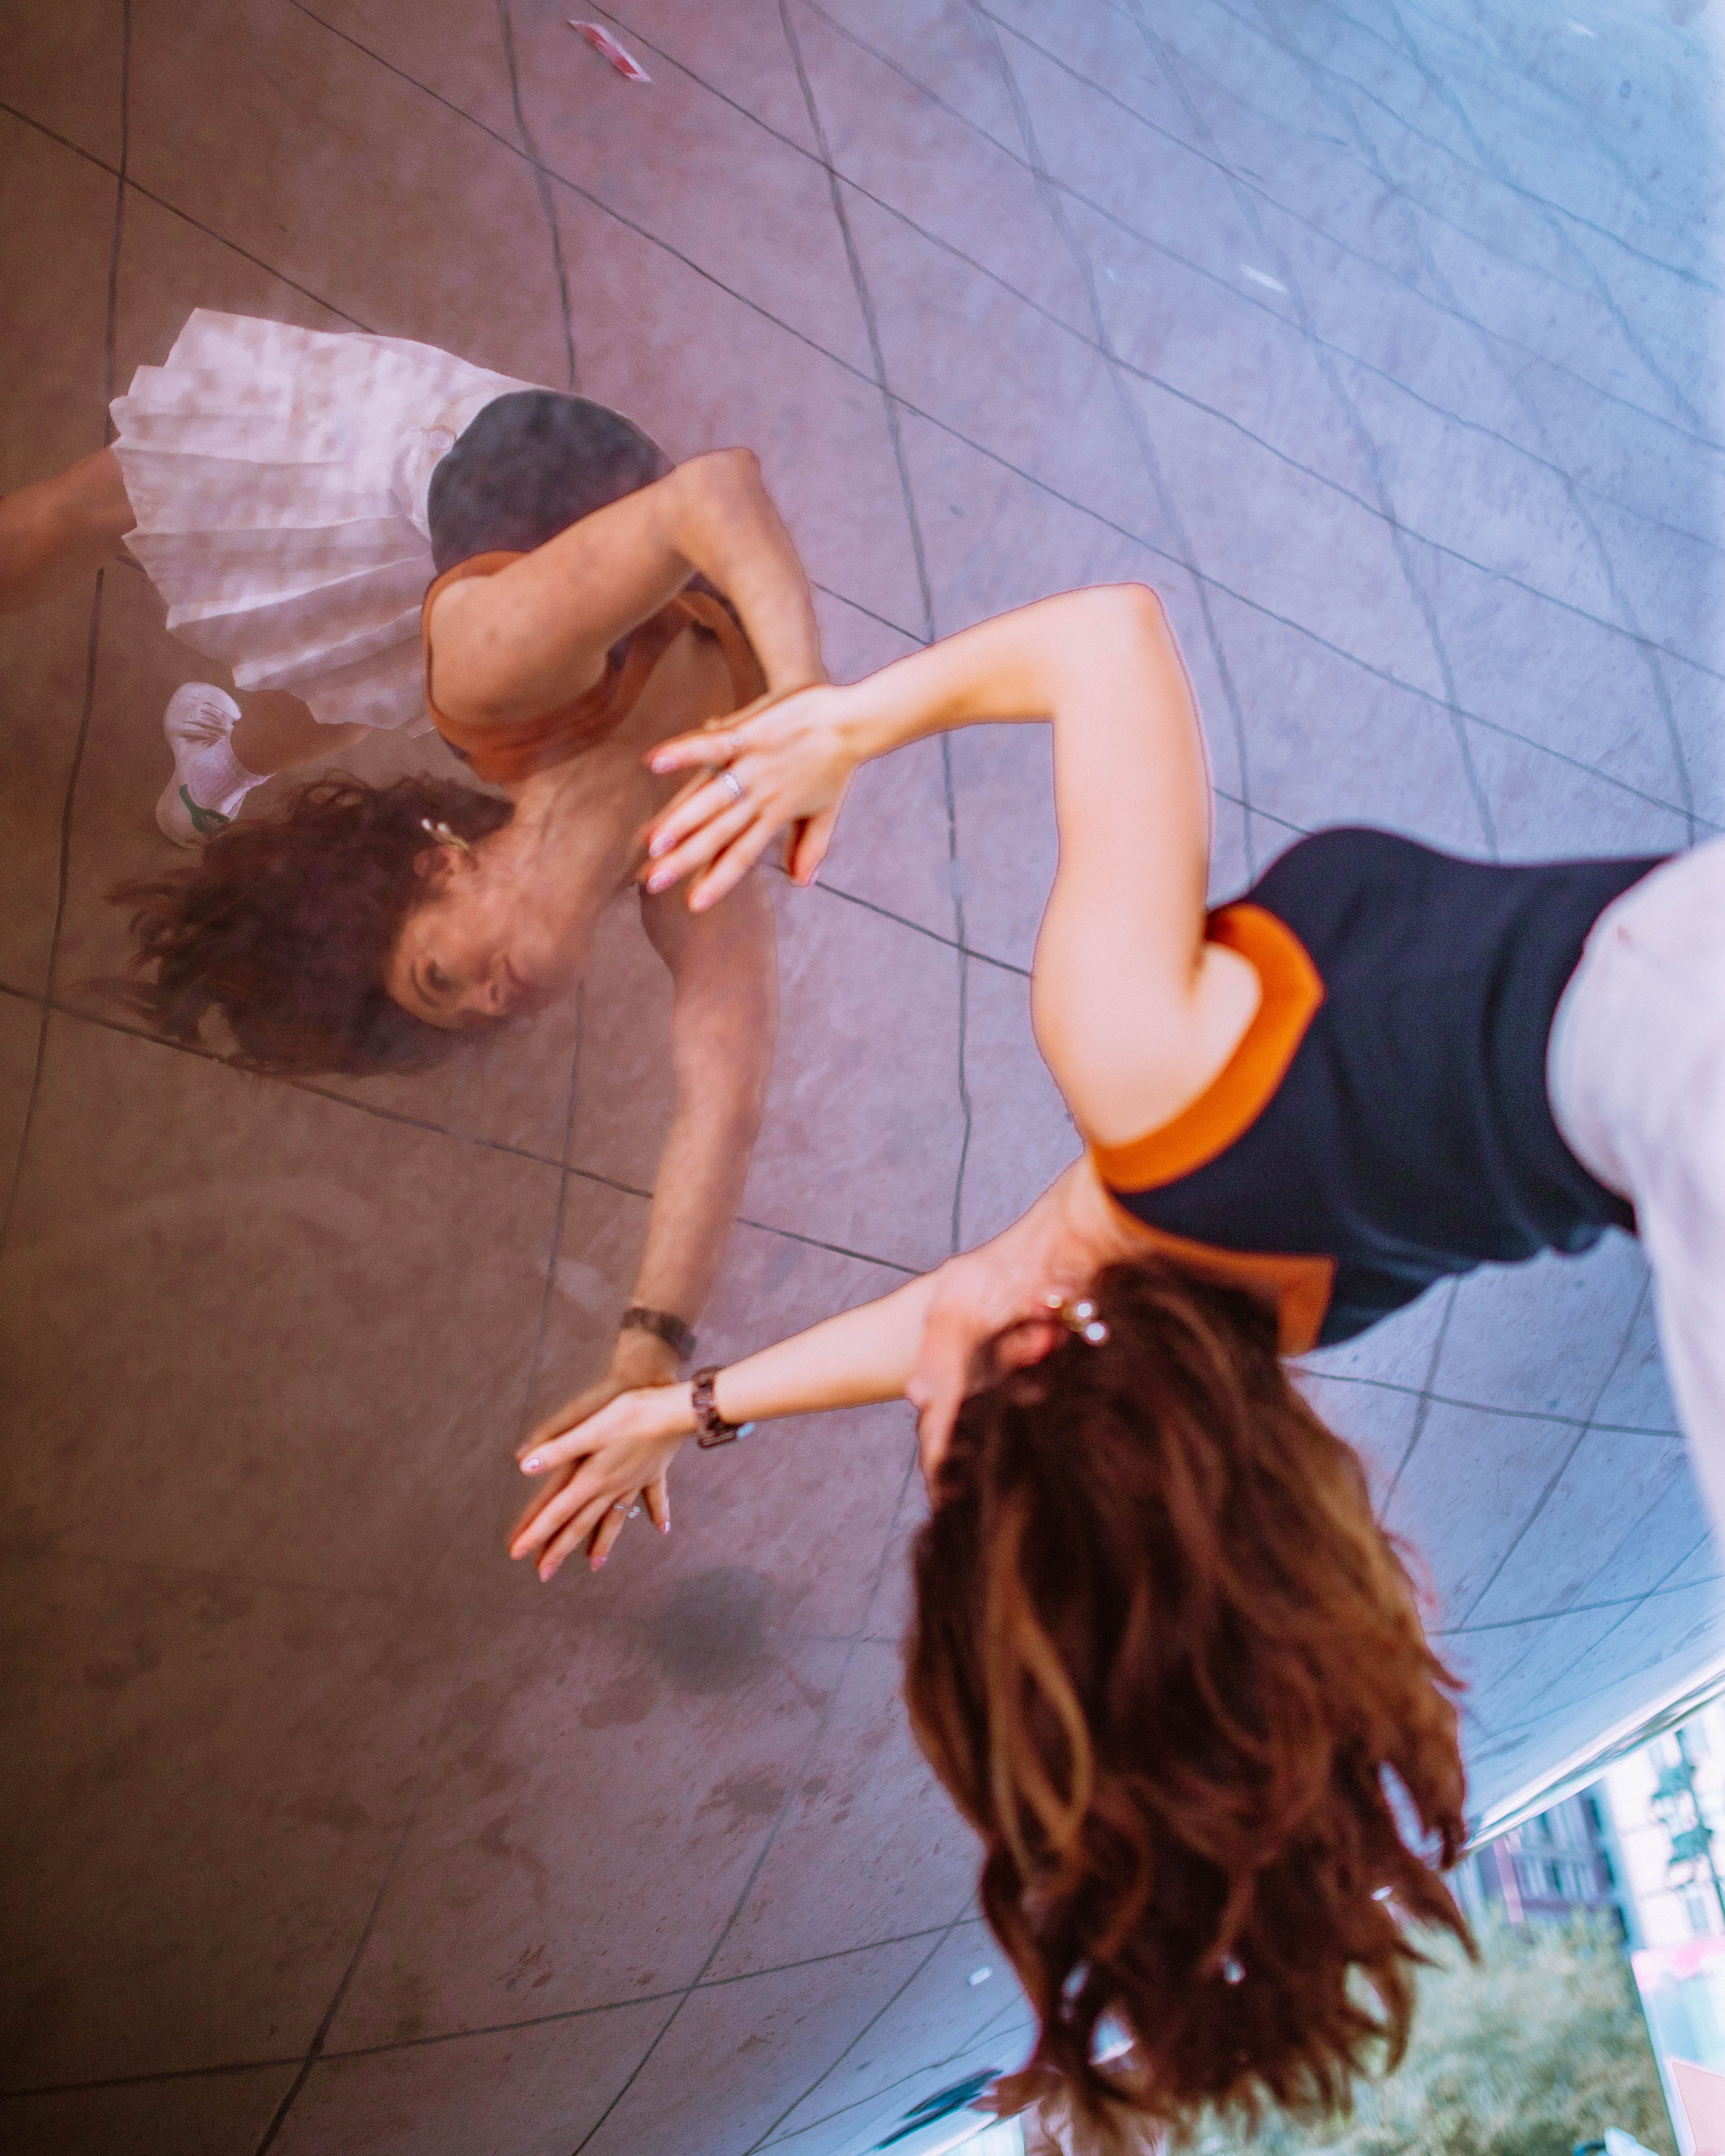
column 711, row 1426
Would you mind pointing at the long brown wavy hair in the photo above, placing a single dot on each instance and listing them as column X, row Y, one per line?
column 284, row 927
column 1169, row 1667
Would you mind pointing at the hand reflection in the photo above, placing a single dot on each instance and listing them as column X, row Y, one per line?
column 786, row 762
column 609, row 1447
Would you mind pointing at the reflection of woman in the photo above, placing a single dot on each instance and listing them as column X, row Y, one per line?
column 1164, row 1658
column 292, row 493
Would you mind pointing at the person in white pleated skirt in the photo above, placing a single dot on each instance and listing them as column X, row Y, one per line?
column 272, row 482
column 292, row 493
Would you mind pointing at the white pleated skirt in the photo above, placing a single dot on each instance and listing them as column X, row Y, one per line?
column 278, row 477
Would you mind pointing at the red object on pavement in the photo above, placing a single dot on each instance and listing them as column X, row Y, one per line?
column 607, row 47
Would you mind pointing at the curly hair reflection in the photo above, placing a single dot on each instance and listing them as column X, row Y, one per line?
column 283, row 927
column 1164, row 1660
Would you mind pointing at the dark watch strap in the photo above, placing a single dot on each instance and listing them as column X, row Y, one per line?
column 662, row 1324
column 710, row 1427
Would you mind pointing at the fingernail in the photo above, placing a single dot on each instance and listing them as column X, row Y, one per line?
column 660, row 882
column 532, row 1464
column 659, row 763
column 659, row 845
column 599, row 1564
column 547, row 1572
column 665, row 1527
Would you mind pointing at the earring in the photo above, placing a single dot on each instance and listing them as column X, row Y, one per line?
column 444, row 836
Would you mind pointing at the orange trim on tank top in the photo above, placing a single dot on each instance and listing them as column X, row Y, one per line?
column 1292, row 993
column 502, row 755
column 1297, row 1287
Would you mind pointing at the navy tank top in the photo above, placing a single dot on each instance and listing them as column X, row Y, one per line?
column 1385, row 1121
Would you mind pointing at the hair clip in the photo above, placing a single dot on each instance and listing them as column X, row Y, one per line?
column 1079, row 1318
column 444, row 836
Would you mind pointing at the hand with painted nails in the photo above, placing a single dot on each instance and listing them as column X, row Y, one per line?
column 784, row 764
column 601, row 1455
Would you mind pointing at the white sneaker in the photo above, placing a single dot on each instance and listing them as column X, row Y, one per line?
column 199, row 717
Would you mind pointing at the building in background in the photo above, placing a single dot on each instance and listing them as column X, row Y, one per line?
column 1564, row 1863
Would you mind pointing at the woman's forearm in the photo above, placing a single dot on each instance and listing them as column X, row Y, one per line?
column 512, row 646
column 729, row 530
column 1019, row 665
column 699, row 1187
column 862, row 1356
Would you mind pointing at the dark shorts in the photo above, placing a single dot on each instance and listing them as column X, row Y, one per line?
column 533, row 463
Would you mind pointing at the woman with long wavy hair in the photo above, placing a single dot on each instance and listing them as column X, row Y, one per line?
column 1163, row 1657
column 375, row 535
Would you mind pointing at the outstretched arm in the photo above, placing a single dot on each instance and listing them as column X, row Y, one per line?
column 1134, row 1011
column 931, row 1342
column 724, row 1024
column 724, row 1019
column 510, row 647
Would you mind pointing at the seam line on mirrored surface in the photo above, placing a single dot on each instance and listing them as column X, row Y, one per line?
column 886, row 2006
column 1422, row 1409
column 1563, row 1466
column 330, row 2055
column 1549, row 211
column 542, row 186
column 1628, row 619
column 1137, row 425
column 866, row 303
column 1671, row 269
column 382, row 1114
column 1043, row 486
column 1466, row 1631
column 1304, row 630
column 1368, row 261
column 63, row 857
column 1329, row 238
column 161, row 202
column 420, row 1785
column 1491, row 1408
column 1551, row 92
column 1478, row 172
column 980, row 2040
column 856, row 606
column 1319, row 344
column 1217, row 83
column 1365, row 442
column 1323, row 348
column 771, row 1838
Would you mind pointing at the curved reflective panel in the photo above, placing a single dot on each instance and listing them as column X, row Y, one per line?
column 1382, row 342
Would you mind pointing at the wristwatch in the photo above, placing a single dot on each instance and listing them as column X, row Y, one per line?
column 662, row 1324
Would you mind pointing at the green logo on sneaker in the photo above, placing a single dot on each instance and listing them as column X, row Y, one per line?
column 206, row 822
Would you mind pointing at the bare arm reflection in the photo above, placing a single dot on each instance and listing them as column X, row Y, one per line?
column 292, row 493
column 724, row 971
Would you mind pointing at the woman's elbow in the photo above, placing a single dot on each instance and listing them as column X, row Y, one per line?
column 463, row 677
column 1130, row 609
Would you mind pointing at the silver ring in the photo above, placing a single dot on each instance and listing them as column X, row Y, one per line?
column 732, row 785
column 621, row 1506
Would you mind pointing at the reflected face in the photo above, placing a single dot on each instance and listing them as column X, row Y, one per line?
column 472, row 951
